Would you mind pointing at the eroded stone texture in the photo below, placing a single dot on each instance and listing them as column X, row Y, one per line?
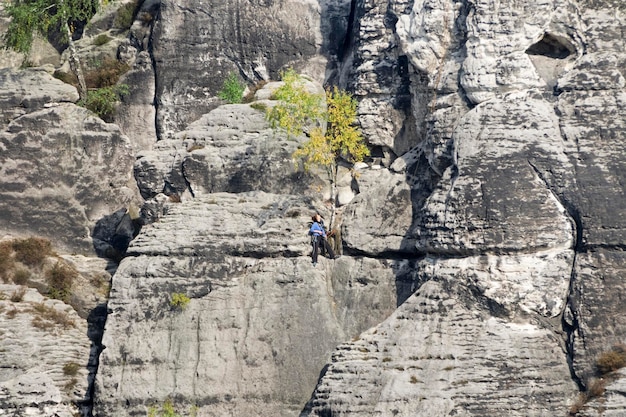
column 597, row 304
column 63, row 170
column 255, row 39
column 44, row 355
column 261, row 320
column 516, row 186
column 443, row 352
column 496, row 195
column 612, row 402
column 230, row 149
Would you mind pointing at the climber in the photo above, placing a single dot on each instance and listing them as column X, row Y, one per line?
column 319, row 239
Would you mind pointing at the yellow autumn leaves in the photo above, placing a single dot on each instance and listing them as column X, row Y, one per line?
column 336, row 136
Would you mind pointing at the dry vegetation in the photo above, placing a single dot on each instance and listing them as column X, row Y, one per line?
column 48, row 318
column 23, row 259
column 606, row 363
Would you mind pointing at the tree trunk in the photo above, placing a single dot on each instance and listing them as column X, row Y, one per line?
column 333, row 195
column 75, row 65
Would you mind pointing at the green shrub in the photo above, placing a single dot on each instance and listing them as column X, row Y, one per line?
column 167, row 410
column 296, row 106
column 60, row 279
column 259, row 106
column 103, row 100
column 32, row 251
column 101, row 39
column 179, row 301
column 232, row 90
column 125, row 15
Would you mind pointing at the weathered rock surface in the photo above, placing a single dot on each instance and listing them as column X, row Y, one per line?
column 495, row 193
column 230, row 149
column 63, row 169
column 256, row 39
column 44, row 354
column 261, row 320
column 444, row 352
column 517, row 191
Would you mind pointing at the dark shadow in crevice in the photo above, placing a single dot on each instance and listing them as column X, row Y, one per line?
column 113, row 233
column 552, row 46
column 95, row 330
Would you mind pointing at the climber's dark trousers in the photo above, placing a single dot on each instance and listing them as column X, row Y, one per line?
column 317, row 241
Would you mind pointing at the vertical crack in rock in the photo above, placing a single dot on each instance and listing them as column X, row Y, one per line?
column 461, row 26
column 96, row 323
column 197, row 364
column 569, row 320
column 349, row 37
column 156, row 102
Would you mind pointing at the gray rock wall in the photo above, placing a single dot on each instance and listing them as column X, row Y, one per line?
column 505, row 173
column 253, row 39
column 63, row 169
column 261, row 320
column 483, row 251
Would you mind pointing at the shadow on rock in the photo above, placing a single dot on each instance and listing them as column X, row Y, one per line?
column 113, row 233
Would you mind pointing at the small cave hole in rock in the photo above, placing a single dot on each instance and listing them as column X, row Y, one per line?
column 550, row 56
column 552, row 47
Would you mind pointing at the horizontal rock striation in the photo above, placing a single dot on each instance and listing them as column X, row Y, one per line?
column 516, row 189
column 44, row 355
column 442, row 352
column 260, row 321
column 54, row 158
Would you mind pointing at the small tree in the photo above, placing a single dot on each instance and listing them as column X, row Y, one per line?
column 340, row 140
column 296, row 106
column 40, row 16
column 232, row 90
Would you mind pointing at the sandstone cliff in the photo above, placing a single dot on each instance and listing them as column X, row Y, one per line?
column 483, row 242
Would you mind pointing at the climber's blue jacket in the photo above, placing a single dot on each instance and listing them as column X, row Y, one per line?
column 317, row 230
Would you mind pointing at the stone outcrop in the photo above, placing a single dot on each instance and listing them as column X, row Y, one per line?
column 64, row 171
column 254, row 39
column 260, row 321
column 230, row 149
column 483, row 241
column 445, row 352
column 44, row 354
column 519, row 146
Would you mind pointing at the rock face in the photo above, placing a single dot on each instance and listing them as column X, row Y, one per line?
column 44, row 353
column 483, row 241
column 260, row 321
column 444, row 352
column 55, row 156
column 230, row 149
column 255, row 39
column 517, row 134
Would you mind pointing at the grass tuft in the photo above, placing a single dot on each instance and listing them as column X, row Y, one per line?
column 32, row 251
column 60, row 279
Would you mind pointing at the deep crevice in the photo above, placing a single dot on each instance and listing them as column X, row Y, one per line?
column 347, row 40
